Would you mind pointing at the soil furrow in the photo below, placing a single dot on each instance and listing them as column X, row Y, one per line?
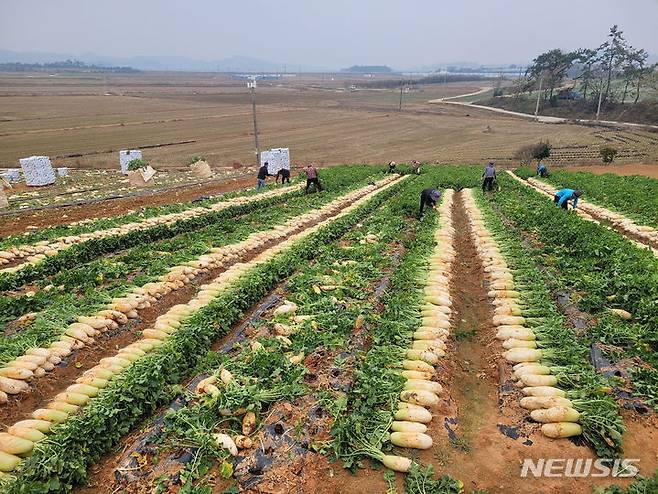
column 481, row 434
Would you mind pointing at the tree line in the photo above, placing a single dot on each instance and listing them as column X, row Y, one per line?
column 594, row 70
column 75, row 65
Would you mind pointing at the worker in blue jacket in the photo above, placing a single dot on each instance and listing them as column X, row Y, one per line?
column 563, row 196
column 542, row 171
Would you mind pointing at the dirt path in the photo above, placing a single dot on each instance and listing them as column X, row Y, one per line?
column 480, row 91
column 20, row 223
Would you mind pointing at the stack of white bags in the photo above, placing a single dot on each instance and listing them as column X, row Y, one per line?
column 12, row 174
column 38, row 170
column 276, row 159
column 126, row 156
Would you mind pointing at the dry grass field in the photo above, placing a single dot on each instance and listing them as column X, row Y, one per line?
column 82, row 120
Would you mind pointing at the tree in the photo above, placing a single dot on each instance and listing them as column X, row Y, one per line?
column 612, row 54
column 587, row 59
column 552, row 66
column 641, row 70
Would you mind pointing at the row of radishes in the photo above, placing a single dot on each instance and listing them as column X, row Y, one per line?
column 548, row 404
column 619, row 221
column 41, row 250
column 14, row 375
column 20, row 438
column 421, row 392
column 37, row 361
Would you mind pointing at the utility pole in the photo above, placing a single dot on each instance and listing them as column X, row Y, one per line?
column 401, row 86
column 252, row 87
column 541, row 79
column 598, row 109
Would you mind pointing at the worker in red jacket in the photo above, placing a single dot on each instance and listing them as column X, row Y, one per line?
column 312, row 178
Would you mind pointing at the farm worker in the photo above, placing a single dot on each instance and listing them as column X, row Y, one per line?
column 391, row 167
column 415, row 166
column 284, row 173
column 428, row 198
column 312, row 178
column 489, row 176
column 563, row 196
column 542, row 171
column 262, row 175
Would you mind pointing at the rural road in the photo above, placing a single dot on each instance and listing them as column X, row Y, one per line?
column 540, row 118
column 441, row 100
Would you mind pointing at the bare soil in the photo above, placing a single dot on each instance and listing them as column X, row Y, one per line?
column 209, row 115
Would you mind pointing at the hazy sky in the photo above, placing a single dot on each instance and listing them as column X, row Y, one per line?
column 324, row 32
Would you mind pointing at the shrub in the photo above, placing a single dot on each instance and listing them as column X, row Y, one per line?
column 539, row 151
column 608, row 154
column 136, row 164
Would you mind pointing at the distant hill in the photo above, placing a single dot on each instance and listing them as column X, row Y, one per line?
column 368, row 69
column 160, row 63
column 67, row 65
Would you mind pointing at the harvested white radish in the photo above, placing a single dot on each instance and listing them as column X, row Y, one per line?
column 417, row 365
column 77, row 399
column 561, row 429
column 427, row 357
column 397, row 463
column 410, row 374
column 523, row 355
column 40, row 425
column 225, row 441
column 8, row 462
column 54, row 416
column 248, row 423
column 13, row 386
column 407, row 426
column 419, row 397
column 514, row 343
column 538, row 380
column 543, row 391
column 416, row 384
column 17, row 372
column 15, row 445
column 416, row 414
column 63, row 406
column 621, row 313
column 416, row 440
column 225, row 376
column 28, row 433
column 520, row 333
column 555, row 414
column 243, row 442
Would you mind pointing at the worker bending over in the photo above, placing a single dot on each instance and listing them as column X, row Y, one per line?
column 312, row 178
column 428, row 198
column 284, row 173
column 563, row 196
column 391, row 167
column 542, row 171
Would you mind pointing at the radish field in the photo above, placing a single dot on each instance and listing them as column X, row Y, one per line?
column 279, row 342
